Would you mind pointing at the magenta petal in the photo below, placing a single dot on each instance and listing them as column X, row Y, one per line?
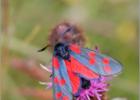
column 97, row 86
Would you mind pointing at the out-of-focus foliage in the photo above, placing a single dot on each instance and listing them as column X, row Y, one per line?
column 110, row 24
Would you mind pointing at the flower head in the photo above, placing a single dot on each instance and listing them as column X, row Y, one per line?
column 97, row 87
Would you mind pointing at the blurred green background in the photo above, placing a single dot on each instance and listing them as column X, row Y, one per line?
column 110, row 24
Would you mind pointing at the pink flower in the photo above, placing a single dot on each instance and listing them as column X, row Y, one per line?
column 97, row 86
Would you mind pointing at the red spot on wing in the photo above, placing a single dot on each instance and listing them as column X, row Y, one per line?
column 74, row 67
column 91, row 54
column 92, row 61
column 107, row 69
column 55, row 63
column 65, row 98
column 106, row 60
column 56, row 81
column 62, row 81
column 75, row 48
column 58, row 95
column 75, row 82
column 79, row 68
column 74, row 79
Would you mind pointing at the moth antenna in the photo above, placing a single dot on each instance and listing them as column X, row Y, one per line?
column 44, row 48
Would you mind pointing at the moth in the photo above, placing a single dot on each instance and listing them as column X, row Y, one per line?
column 73, row 67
